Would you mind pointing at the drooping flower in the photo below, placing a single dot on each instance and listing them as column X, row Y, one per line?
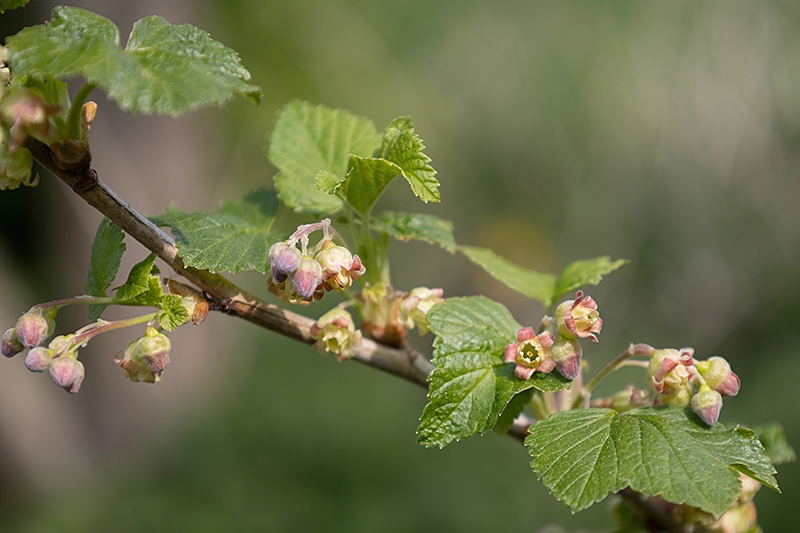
column 145, row 358
column 530, row 353
column 414, row 307
column 67, row 372
column 336, row 334
column 284, row 258
column 579, row 318
column 707, row 403
column 670, row 370
column 339, row 267
column 566, row 354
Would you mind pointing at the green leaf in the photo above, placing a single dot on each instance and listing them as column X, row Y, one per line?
column 164, row 69
column 585, row 454
column 107, row 250
column 138, row 279
column 5, row 5
column 366, row 179
column 172, row 313
column 307, row 140
column 471, row 384
column 775, row 443
column 235, row 238
column 428, row 228
column 153, row 295
column 533, row 284
column 404, row 148
column 588, row 271
column 512, row 411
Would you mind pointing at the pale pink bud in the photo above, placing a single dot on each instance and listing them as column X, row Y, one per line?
column 414, row 307
column 306, row 278
column 67, row 372
column 718, row 375
column 566, row 354
column 339, row 267
column 39, row 359
column 579, row 318
column 707, row 404
column 530, row 353
column 11, row 345
column 336, row 334
column 32, row 329
column 284, row 259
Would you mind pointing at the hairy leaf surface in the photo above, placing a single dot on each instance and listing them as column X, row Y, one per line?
column 138, row 280
column 471, row 384
column 308, row 140
column 172, row 314
column 107, row 250
column 235, row 238
column 402, row 146
column 366, row 179
column 164, row 69
column 418, row 226
column 584, row 455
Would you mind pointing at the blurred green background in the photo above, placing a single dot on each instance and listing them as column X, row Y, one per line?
column 663, row 132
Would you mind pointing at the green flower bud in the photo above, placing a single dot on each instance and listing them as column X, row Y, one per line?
column 718, row 375
column 707, row 404
column 154, row 350
column 566, row 354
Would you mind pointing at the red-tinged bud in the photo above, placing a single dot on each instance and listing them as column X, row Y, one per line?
column 579, row 318
column 67, row 372
column 707, row 404
column 39, row 359
column 154, row 350
column 718, row 375
column 336, row 334
column 339, row 267
column 11, row 345
column 670, row 370
column 33, row 329
column 133, row 366
column 566, row 354
column 414, row 307
column 306, row 278
column 530, row 353
column 284, row 259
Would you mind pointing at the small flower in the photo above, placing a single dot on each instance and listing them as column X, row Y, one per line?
column 30, row 115
column 305, row 279
column 336, row 334
column 284, row 259
column 34, row 327
column 579, row 318
column 339, row 267
column 566, row 354
column 670, row 370
column 67, row 372
column 145, row 358
column 718, row 375
column 414, row 307
column 530, row 353
column 39, row 359
column 15, row 167
column 707, row 403
column 10, row 344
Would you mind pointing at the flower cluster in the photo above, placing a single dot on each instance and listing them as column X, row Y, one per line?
column 680, row 380
column 300, row 276
column 575, row 319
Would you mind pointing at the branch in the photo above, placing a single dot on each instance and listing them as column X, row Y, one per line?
column 230, row 299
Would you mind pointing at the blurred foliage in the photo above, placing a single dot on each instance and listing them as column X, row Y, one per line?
column 663, row 132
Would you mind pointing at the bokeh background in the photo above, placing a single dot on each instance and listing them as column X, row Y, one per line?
column 663, row 132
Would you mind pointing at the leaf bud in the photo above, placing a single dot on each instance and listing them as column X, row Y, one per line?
column 67, row 372
column 707, row 403
column 579, row 318
column 530, row 353
column 284, row 259
column 39, row 359
column 718, row 375
column 34, row 327
column 306, row 278
column 566, row 354
column 339, row 267
column 414, row 307
column 11, row 345
column 336, row 334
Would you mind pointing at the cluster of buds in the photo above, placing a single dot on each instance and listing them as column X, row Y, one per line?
column 302, row 276
column 575, row 319
column 680, row 380
column 145, row 358
column 336, row 334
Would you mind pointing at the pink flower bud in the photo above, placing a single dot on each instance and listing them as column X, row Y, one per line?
column 579, row 318
column 154, row 350
column 32, row 329
column 707, row 404
column 39, row 359
column 67, row 372
column 339, row 267
column 566, row 354
column 306, row 278
column 414, row 307
column 336, row 334
column 530, row 353
column 284, row 259
column 10, row 344
column 718, row 375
